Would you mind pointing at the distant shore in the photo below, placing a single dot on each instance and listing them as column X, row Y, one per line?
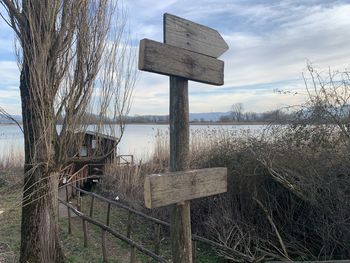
column 9, row 124
column 191, row 123
column 207, row 123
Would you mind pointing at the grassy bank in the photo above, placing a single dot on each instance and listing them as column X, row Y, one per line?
column 118, row 251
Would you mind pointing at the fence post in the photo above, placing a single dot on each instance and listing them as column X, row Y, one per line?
column 128, row 230
column 157, row 239
column 85, row 232
column 108, row 213
column 133, row 255
column 92, row 206
column 78, row 200
column 194, row 251
column 104, row 251
column 68, row 211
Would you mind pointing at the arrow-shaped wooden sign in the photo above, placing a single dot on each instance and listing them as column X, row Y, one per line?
column 189, row 51
column 186, row 34
column 169, row 60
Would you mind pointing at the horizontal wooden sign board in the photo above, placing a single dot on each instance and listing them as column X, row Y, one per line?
column 176, row 187
column 186, row 34
column 174, row 61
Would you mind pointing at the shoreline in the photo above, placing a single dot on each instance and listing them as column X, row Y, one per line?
column 191, row 123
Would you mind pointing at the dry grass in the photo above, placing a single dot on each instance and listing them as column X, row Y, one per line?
column 288, row 194
column 11, row 159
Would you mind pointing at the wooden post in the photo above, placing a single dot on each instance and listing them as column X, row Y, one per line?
column 108, row 213
column 157, row 239
column 133, row 255
column 194, row 245
column 104, row 251
column 85, row 233
column 180, row 228
column 78, row 200
column 128, row 229
column 68, row 211
column 92, row 206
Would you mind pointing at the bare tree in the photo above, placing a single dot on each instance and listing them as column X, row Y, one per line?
column 237, row 112
column 73, row 59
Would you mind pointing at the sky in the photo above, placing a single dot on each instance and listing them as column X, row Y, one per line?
column 270, row 43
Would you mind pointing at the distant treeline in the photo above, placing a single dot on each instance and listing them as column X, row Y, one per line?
column 227, row 117
column 309, row 115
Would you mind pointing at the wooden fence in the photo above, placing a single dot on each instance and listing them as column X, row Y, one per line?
column 126, row 238
column 125, row 159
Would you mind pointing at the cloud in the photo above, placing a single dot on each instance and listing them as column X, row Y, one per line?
column 270, row 45
column 270, row 48
column 9, row 73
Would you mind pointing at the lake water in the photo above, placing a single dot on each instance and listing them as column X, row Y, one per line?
column 138, row 139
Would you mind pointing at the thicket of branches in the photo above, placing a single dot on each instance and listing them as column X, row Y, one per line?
column 289, row 192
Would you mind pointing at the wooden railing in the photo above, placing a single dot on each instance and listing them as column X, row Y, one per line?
column 125, row 159
column 68, row 169
column 65, row 172
column 126, row 238
column 80, row 176
column 105, row 227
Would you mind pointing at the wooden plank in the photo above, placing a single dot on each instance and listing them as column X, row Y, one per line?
column 170, row 188
column 174, row 61
column 186, row 34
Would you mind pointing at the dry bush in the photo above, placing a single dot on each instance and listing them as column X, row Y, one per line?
column 288, row 193
column 288, row 187
column 12, row 159
column 288, row 196
column 126, row 181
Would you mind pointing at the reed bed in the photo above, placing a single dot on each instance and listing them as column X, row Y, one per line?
column 288, row 194
column 11, row 158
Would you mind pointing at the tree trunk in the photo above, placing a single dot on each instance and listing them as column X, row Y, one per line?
column 39, row 229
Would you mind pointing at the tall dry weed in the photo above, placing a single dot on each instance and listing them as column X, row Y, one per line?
column 288, row 190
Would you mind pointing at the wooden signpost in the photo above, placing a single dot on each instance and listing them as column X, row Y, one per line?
column 189, row 52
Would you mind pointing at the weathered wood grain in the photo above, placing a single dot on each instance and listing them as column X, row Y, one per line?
column 186, row 34
column 179, row 124
column 170, row 188
column 174, row 61
column 180, row 214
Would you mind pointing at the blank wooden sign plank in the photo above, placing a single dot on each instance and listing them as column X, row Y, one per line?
column 186, row 34
column 168, row 60
column 176, row 187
